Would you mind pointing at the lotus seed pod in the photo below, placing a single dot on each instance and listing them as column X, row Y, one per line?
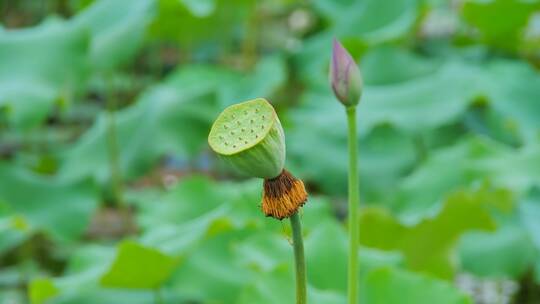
column 250, row 138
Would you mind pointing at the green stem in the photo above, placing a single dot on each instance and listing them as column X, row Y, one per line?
column 354, row 201
column 249, row 45
column 114, row 154
column 300, row 261
column 421, row 148
column 158, row 298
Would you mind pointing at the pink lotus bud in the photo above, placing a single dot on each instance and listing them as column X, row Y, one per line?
column 345, row 77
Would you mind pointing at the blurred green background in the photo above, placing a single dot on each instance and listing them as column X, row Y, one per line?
column 109, row 193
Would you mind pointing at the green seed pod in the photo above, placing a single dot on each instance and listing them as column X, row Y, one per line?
column 250, row 138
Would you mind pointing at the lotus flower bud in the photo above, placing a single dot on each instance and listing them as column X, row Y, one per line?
column 345, row 77
column 250, row 138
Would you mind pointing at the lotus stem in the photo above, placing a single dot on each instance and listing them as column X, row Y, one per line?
column 354, row 201
column 113, row 151
column 299, row 260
